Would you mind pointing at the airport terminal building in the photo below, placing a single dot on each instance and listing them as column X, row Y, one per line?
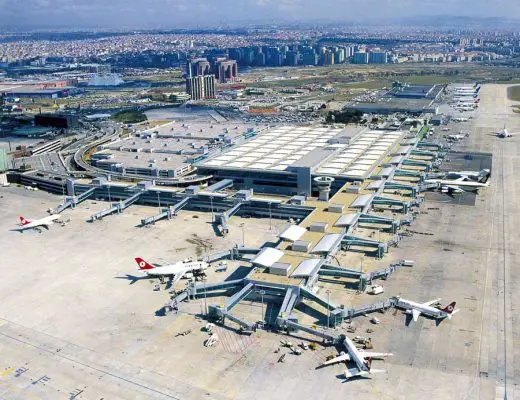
column 286, row 160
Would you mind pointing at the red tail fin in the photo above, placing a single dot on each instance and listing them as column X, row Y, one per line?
column 449, row 308
column 24, row 221
column 143, row 264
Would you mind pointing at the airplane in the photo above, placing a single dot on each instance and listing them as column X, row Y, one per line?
column 505, row 133
column 37, row 223
column 416, row 309
column 172, row 271
column 460, row 119
column 362, row 359
column 478, row 176
column 456, row 138
column 459, row 185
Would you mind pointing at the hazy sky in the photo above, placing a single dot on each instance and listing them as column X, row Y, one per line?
column 177, row 13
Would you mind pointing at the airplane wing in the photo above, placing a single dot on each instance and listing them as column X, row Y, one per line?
column 371, row 354
column 178, row 277
column 455, row 189
column 429, row 303
column 415, row 314
column 338, row 359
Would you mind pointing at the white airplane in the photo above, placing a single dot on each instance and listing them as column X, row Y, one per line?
column 459, row 185
column 362, row 359
column 505, row 133
column 172, row 271
column 37, row 223
column 416, row 309
column 456, row 138
column 478, row 176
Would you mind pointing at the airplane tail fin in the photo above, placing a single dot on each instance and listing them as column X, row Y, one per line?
column 449, row 308
column 24, row 221
column 143, row 264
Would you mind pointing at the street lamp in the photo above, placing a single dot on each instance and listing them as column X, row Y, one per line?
column 328, row 308
column 243, row 236
column 212, row 216
column 205, row 299
column 270, row 216
column 261, row 293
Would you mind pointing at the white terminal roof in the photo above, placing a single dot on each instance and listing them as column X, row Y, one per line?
column 327, row 243
column 361, row 201
column 374, row 185
column 267, row 257
column 277, row 148
column 283, row 146
column 307, row 268
column 292, row 233
column 346, row 220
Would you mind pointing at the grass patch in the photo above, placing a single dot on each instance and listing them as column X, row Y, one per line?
column 130, row 117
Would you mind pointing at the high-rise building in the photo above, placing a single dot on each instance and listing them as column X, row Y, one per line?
column 378, row 57
column 226, row 70
column 360, row 57
column 309, row 56
column 201, row 87
column 198, row 66
column 292, row 58
column 327, row 57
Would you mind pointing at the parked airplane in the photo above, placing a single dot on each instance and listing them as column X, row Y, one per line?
column 37, row 223
column 456, row 138
column 172, row 271
column 459, row 185
column 415, row 309
column 478, row 176
column 505, row 133
column 362, row 359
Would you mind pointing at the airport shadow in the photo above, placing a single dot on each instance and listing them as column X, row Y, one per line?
column 132, row 278
column 312, row 312
column 216, row 229
column 348, row 285
column 240, row 273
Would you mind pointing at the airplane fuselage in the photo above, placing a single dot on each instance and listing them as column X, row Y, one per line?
column 459, row 183
column 430, row 311
column 177, row 268
column 44, row 222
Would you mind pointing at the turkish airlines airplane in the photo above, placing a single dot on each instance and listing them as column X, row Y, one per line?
column 37, row 223
column 362, row 359
column 172, row 271
column 416, row 309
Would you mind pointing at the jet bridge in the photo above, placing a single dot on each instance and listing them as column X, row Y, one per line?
column 169, row 212
column 223, row 217
column 332, row 270
column 350, row 313
column 401, row 186
column 349, row 240
column 387, row 201
column 418, row 163
column 431, row 145
column 425, row 153
column 408, row 173
column 73, row 201
column 289, row 302
column 376, row 219
column 118, row 207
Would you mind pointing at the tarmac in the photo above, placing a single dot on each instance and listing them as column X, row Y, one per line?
column 73, row 325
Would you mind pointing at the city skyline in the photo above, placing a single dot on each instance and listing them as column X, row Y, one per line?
column 77, row 14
